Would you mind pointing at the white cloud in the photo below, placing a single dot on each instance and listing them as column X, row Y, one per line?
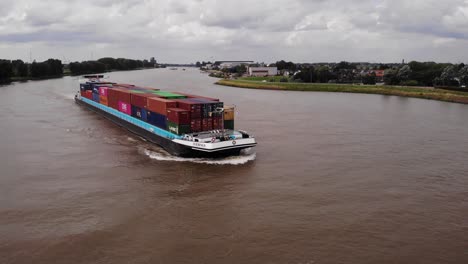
column 190, row 30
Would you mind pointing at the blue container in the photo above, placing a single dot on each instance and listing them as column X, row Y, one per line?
column 157, row 119
column 139, row 113
column 85, row 86
column 96, row 98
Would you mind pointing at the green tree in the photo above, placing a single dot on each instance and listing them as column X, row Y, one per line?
column 153, row 61
column 404, row 73
column 391, row 77
column 20, row 69
column 369, row 79
column 323, row 74
column 449, row 76
column 426, row 72
column 306, row 74
column 6, row 70
column 463, row 76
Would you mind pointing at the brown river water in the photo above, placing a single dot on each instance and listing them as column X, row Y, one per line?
column 336, row 178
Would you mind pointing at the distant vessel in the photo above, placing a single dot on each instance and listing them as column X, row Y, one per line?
column 183, row 124
column 173, row 68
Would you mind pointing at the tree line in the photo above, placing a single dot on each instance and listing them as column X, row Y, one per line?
column 110, row 64
column 411, row 74
column 17, row 69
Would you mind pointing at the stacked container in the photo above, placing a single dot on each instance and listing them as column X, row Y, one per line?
column 178, row 121
column 120, row 99
column 157, row 111
column 178, row 113
column 103, row 95
column 228, row 117
column 194, row 109
column 198, row 96
column 168, row 95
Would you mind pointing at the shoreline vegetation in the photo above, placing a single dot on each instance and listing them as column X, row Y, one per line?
column 19, row 71
column 404, row 91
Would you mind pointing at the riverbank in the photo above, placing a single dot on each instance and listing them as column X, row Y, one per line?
column 65, row 73
column 424, row 93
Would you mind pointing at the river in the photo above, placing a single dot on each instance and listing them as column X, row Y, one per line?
column 335, row 178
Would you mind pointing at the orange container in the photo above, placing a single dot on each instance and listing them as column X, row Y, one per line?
column 160, row 105
column 103, row 100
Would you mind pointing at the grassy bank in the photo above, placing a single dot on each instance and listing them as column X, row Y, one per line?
column 425, row 93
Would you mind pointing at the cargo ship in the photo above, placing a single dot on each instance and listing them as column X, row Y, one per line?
column 183, row 124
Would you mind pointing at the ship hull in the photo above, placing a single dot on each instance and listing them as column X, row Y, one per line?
column 167, row 144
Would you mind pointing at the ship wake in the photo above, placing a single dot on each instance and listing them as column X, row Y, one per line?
column 246, row 156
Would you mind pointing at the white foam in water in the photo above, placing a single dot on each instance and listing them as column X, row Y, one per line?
column 243, row 158
column 70, row 96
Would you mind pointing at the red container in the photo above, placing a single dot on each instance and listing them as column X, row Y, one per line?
column 139, row 100
column 88, row 94
column 198, row 96
column 119, row 94
column 160, row 105
column 207, row 124
column 114, row 95
column 178, row 116
column 217, row 122
column 193, row 107
column 196, row 124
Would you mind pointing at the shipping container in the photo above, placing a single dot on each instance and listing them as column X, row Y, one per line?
column 89, row 94
column 103, row 90
column 149, row 88
column 139, row 113
column 207, row 106
column 124, row 85
column 178, row 129
column 228, row 124
column 196, row 124
column 229, row 113
column 178, row 116
column 160, row 105
column 197, row 96
column 157, row 119
column 103, row 100
column 96, row 87
column 168, row 95
column 125, row 108
column 141, row 91
column 218, row 122
column 95, row 97
column 192, row 106
column 85, row 86
column 207, row 124
column 139, row 100
column 120, row 94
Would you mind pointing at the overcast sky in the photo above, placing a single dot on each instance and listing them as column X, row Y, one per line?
column 189, row 30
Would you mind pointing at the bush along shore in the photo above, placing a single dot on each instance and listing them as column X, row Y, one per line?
column 425, row 93
column 17, row 70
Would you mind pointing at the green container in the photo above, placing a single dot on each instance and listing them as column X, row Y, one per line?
column 177, row 128
column 229, row 124
column 168, row 95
